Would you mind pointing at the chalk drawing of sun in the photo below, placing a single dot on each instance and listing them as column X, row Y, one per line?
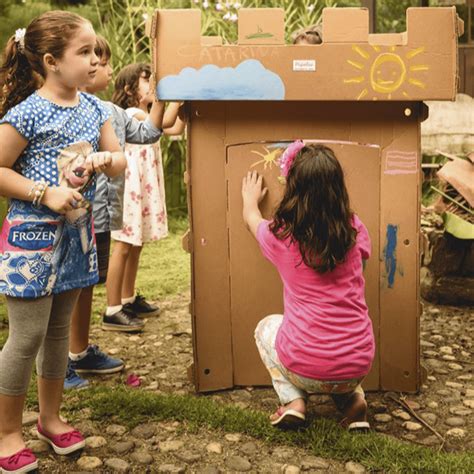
column 269, row 157
column 385, row 72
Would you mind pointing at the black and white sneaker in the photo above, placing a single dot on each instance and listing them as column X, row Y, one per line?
column 141, row 307
column 123, row 321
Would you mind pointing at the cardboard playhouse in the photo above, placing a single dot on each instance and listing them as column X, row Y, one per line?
column 359, row 93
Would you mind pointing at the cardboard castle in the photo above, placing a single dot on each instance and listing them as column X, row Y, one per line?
column 361, row 94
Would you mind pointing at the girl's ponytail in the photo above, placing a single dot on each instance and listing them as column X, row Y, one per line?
column 17, row 78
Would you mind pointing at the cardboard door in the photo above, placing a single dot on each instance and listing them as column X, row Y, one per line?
column 255, row 286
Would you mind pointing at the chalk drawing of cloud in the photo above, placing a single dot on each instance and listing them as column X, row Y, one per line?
column 248, row 81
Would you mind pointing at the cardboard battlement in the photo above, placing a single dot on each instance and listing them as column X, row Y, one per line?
column 350, row 64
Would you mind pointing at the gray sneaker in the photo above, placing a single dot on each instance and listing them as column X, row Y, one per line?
column 123, row 321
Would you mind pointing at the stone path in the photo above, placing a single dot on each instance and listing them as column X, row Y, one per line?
column 161, row 354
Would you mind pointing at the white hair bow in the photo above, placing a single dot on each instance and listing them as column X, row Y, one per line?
column 20, row 37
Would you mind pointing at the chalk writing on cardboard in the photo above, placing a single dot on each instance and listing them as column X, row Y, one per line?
column 390, row 254
column 400, row 162
column 228, row 54
column 381, row 71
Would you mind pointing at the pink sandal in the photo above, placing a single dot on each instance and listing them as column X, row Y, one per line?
column 288, row 418
column 65, row 443
column 22, row 461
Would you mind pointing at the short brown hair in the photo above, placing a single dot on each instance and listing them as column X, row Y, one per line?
column 102, row 49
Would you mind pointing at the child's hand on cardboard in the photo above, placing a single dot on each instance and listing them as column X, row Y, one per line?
column 253, row 191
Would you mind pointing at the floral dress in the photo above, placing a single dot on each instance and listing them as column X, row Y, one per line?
column 144, row 209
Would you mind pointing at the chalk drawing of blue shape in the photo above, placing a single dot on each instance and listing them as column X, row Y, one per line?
column 250, row 80
column 390, row 254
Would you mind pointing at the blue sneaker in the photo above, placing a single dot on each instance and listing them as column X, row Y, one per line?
column 97, row 362
column 73, row 380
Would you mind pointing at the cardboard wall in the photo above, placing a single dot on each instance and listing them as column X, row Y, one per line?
column 358, row 88
column 420, row 64
column 233, row 287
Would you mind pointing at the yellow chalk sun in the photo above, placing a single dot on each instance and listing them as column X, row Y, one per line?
column 384, row 71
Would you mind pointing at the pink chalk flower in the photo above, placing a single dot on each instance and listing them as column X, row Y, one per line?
column 289, row 155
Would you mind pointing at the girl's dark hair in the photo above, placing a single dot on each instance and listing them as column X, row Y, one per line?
column 126, row 84
column 22, row 67
column 102, row 49
column 315, row 211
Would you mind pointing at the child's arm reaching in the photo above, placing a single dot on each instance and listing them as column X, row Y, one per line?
column 252, row 194
column 176, row 129
column 171, row 115
column 156, row 114
column 14, row 185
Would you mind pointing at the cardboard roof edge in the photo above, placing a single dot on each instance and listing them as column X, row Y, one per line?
column 351, row 64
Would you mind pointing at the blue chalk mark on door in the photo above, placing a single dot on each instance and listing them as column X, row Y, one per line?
column 390, row 253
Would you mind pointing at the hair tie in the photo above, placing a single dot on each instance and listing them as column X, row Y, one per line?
column 20, row 38
column 289, row 155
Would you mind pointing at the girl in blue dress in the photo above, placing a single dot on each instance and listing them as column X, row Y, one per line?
column 55, row 140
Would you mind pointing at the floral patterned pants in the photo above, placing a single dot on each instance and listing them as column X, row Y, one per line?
column 288, row 385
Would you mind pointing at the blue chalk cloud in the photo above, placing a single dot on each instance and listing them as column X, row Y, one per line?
column 248, row 81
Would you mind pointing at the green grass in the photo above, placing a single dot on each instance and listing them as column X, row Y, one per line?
column 323, row 437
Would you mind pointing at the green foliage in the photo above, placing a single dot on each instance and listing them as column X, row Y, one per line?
column 18, row 14
column 391, row 15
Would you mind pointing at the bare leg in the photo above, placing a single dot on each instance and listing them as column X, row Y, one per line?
column 131, row 270
column 50, row 392
column 81, row 321
column 115, row 277
column 11, row 409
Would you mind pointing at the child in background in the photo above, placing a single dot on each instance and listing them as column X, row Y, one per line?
column 312, row 35
column 107, row 212
column 324, row 342
column 144, row 218
column 49, row 158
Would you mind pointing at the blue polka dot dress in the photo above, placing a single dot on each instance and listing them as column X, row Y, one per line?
column 42, row 252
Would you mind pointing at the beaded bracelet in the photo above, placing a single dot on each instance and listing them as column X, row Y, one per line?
column 37, row 191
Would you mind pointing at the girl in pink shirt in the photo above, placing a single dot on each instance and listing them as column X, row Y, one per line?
column 324, row 342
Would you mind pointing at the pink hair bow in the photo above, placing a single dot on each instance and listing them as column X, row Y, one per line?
column 289, row 155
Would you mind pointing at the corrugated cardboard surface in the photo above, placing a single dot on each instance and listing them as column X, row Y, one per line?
column 345, row 25
column 349, row 65
column 233, row 287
